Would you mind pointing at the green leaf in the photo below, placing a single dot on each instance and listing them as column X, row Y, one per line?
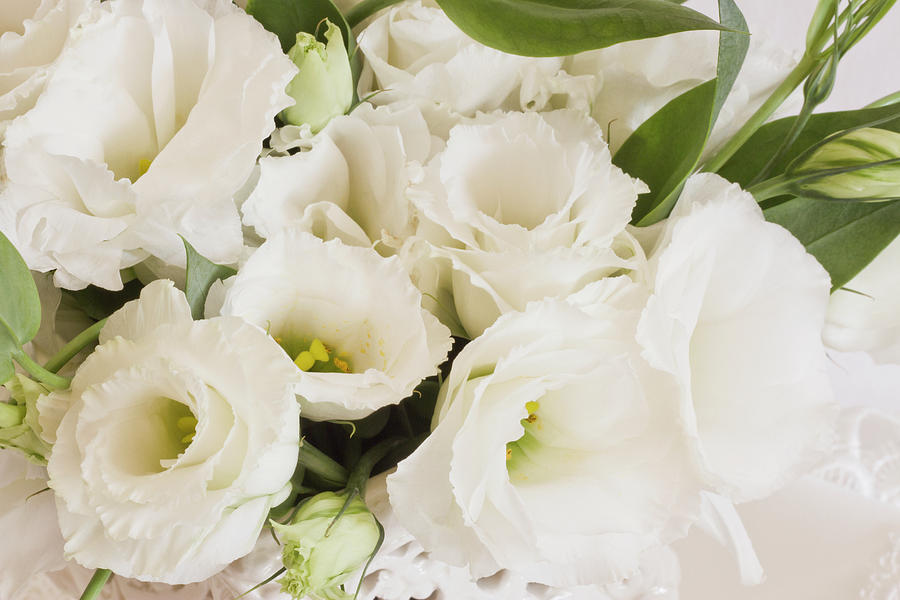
column 98, row 303
column 201, row 273
column 562, row 27
column 286, row 18
column 752, row 156
column 844, row 236
column 20, row 306
column 666, row 148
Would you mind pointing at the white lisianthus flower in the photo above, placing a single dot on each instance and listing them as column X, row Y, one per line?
column 350, row 319
column 555, row 450
column 32, row 543
column 640, row 77
column 863, row 314
column 519, row 207
column 178, row 438
column 415, row 52
column 150, row 123
column 736, row 315
column 349, row 181
column 33, row 33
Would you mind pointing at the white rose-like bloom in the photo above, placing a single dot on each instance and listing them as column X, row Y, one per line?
column 519, row 207
column 555, row 451
column 348, row 182
column 148, row 126
column 414, row 51
column 378, row 342
column 178, row 439
column 33, row 33
column 32, row 542
column 640, row 77
column 867, row 318
column 736, row 314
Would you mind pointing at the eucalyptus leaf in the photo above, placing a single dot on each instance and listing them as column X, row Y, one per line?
column 287, row 18
column 667, row 147
column 562, row 27
column 201, row 274
column 844, row 236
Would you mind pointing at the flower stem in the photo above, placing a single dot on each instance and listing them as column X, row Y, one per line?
column 363, row 469
column 81, row 341
column 366, row 9
column 321, row 464
column 96, row 584
column 781, row 93
column 40, row 373
column 770, row 188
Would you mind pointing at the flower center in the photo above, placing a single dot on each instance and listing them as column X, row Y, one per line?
column 519, row 451
column 316, row 356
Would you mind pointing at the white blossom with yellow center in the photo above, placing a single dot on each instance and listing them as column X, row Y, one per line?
column 350, row 319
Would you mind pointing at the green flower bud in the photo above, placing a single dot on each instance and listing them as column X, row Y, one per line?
column 863, row 164
column 324, row 546
column 323, row 89
column 19, row 427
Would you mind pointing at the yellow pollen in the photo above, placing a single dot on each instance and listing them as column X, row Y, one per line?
column 305, row 360
column 144, row 165
column 279, row 340
column 341, row 364
column 531, row 418
column 508, row 453
column 318, row 350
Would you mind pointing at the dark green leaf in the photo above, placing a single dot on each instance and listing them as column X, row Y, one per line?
column 752, row 157
column 561, row 27
column 286, row 18
column 666, row 148
column 843, row 235
column 98, row 303
column 201, row 273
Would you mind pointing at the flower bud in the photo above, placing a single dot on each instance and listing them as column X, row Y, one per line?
column 323, row 546
column 323, row 89
column 863, row 164
column 19, row 427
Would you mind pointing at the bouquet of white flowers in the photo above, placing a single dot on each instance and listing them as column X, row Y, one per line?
column 483, row 298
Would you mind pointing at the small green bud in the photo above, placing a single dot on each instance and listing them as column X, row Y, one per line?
column 19, row 427
column 863, row 164
column 323, row 546
column 323, row 89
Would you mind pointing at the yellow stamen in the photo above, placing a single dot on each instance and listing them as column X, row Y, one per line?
column 532, row 407
column 508, row 453
column 318, row 350
column 531, row 418
column 341, row 364
column 188, row 438
column 305, row 360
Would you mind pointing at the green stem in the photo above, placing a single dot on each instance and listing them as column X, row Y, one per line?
column 40, row 373
column 360, row 474
column 101, row 576
column 321, row 464
column 770, row 188
column 366, row 9
column 81, row 341
column 781, row 93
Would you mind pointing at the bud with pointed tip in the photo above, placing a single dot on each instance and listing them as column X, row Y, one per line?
column 323, row 88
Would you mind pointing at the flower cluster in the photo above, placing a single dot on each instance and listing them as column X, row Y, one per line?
column 305, row 253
